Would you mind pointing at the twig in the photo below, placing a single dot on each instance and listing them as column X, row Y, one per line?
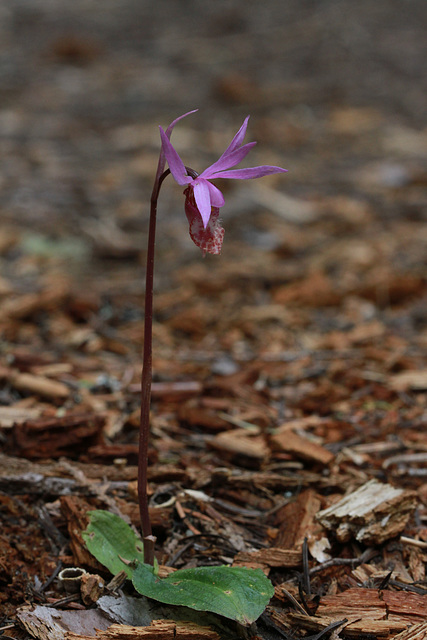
column 327, row 629
column 49, row 581
column 305, row 568
column 6, row 627
column 366, row 555
column 75, row 597
column 414, row 543
column 295, row 602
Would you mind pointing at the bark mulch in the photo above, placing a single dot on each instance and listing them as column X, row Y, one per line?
column 289, row 406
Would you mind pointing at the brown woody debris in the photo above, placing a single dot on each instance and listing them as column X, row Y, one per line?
column 38, row 385
column 416, row 632
column 75, row 511
column 369, row 612
column 158, row 630
column 409, row 380
column 55, row 436
column 13, row 415
column 372, row 514
column 272, row 557
column 24, row 306
column 237, row 444
column 91, row 588
column 285, row 440
column 48, row 623
column 405, row 606
column 296, row 519
column 358, row 628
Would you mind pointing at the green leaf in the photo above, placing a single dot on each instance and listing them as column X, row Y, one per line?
column 234, row 592
column 113, row 543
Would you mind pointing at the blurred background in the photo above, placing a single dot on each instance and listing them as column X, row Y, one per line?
column 337, row 94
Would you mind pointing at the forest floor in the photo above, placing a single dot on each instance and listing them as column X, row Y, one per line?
column 289, row 372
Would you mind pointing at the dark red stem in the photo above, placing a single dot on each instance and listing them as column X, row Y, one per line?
column 146, row 377
column 147, row 373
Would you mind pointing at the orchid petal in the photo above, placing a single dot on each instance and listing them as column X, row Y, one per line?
column 162, row 160
column 248, row 174
column 238, row 139
column 228, row 161
column 202, row 197
column 217, row 199
column 175, row 163
column 172, row 124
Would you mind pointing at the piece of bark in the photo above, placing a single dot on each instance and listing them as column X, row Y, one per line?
column 372, row 514
column 401, row 605
column 285, row 440
column 161, row 517
column 193, row 414
column 392, row 605
column 409, row 380
column 75, row 511
column 417, row 560
column 296, row 520
column 416, row 632
column 175, row 390
column 25, row 306
column 367, row 602
column 47, row 623
column 15, row 470
column 237, row 444
column 271, row 557
column 355, row 630
column 91, row 588
column 29, row 383
column 274, row 481
column 107, row 453
column 370, row 574
column 36, row 484
column 316, row 290
column 158, row 630
column 19, row 476
column 55, row 436
column 16, row 415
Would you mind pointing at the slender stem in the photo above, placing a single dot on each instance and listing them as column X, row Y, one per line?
column 146, row 377
column 147, row 371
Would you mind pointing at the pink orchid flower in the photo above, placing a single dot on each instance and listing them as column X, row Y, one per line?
column 203, row 199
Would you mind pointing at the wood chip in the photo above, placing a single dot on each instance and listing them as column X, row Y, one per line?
column 409, row 380
column 354, row 630
column 38, row 385
column 238, row 443
column 287, row 441
column 47, row 623
column 75, row 511
column 272, row 557
column 55, row 436
column 372, row 514
column 91, row 588
column 402, row 605
column 158, row 630
column 416, row 632
column 16, row 415
column 296, row 519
